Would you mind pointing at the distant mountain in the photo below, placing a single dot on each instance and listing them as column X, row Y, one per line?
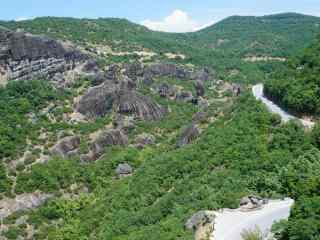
column 277, row 35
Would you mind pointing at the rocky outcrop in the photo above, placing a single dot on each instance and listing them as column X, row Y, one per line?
column 124, row 170
column 66, row 147
column 188, row 135
column 167, row 70
column 97, row 101
column 108, row 138
column 25, row 56
column 147, row 72
column 185, row 96
column 122, row 97
column 200, row 89
column 142, row 107
column 22, row 202
column 201, row 223
column 201, row 75
column 123, row 122
column 144, row 139
column 134, row 70
column 251, row 203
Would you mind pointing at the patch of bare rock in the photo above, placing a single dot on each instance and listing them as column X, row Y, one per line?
column 24, row 56
column 22, row 202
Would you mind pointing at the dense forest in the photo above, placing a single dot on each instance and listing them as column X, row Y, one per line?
column 297, row 86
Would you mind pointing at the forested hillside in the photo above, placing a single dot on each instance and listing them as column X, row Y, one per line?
column 130, row 132
column 239, row 48
column 297, row 86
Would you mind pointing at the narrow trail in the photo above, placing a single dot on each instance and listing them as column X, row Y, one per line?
column 257, row 91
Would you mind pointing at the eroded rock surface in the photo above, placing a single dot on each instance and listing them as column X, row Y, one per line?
column 188, row 135
column 144, row 139
column 252, row 202
column 22, row 202
column 142, row 107
column 201, row 223
column 124, row 170
column 97, row 101
column 108, row 138
column 66, row 147
column 25, row 56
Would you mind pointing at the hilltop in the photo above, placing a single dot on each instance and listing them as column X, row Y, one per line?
column 239, row 48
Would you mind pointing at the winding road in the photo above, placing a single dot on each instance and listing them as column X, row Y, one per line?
column 229, row 224
column 257, row 91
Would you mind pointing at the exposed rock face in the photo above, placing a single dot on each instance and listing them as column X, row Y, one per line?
column 201, row 75
column 142, row 107
column 97, row 101
column 66, row 147
column 188, row 135
column 252, row 203
column 91, row 66
column 167, row 70
column 109, row 138
column 200, row 89
column 164, row 90
column 200, row 117
column 144, row 139
column 24, row 56
column 124, row 123
column 113, row 72
column 202, row 224
column 122, row 97
column 134, row 70
column 185, row 96
column 22, row 202
column 113, row 137
column 97, row 78
column 124, row 170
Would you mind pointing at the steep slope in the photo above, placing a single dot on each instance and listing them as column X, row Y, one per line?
column 273, row 35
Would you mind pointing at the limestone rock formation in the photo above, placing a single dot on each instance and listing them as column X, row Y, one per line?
column 144, row 139
column 252, row 202
column 98, row 100
column 188, row 135
column 123, row 122
column 113, row 137
column 200, row 89
column 201, row 75
column 113, row 72
column 66, row 147
column 22, row 202
column 124, row 170
column 185, row 96
column 201, row 223
column 134, row 70
column 142, row 107
column 122, row 97
column 24, row 56
column 163, row 90
column 167, row 70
